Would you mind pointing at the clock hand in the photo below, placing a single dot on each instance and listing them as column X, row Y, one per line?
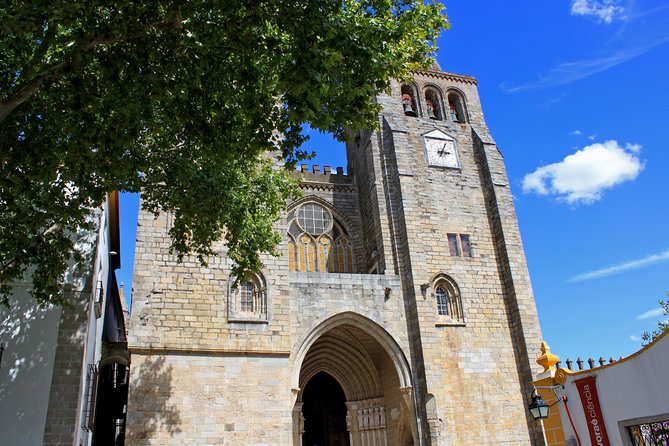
column 443, row 150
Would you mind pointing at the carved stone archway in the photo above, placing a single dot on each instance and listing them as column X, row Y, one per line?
column 371, row 370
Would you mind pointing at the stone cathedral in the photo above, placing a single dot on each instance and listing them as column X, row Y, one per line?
column 399, row 313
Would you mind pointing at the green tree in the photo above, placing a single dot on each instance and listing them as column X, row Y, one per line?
column 662, row 326
column 190, row 103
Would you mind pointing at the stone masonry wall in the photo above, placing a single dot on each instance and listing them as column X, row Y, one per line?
column 481, row 367
column 209, row 399
column 199, row 378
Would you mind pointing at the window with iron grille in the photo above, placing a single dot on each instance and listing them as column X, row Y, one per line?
column 89, row 397
column 650, row 434
column 99, row 298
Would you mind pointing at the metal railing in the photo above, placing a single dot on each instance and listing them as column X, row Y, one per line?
column 650, row 434
column 90, row 396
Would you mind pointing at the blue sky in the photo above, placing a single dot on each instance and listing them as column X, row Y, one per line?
column 575, row 94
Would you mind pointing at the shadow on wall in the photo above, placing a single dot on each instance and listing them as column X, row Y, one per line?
column 29, row 336
column 148, row 402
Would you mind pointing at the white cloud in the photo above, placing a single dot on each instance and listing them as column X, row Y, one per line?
column 583, row 176
column 592, row 137
column 651, row 313
column 576, row 132
column 635, row 338
column 622, row 267
column 604, row 11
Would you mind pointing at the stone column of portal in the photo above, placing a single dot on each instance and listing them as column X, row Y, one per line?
column 382, row 423
column 363, row 422
column 352, row 425
column 378, row 424
column 298, row 424
column 374, row 425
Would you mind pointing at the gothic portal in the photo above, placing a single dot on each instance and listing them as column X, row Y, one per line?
column 399, row 312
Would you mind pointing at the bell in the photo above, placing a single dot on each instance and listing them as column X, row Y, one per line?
column 430, row 109
column 454, row 114
column 407, row 102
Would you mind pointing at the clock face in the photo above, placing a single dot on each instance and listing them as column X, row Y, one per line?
column 441, row 152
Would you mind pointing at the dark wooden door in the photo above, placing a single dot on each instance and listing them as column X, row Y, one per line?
column 324, row 412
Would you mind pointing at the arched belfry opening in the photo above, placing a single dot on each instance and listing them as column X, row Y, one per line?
column 354, row 387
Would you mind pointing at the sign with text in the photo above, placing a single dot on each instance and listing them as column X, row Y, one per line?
column 593, row 413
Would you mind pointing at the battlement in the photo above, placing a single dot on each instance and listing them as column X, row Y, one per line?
column 316, row 169
column 326, row 176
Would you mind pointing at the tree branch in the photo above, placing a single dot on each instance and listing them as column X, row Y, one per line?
column 41, row 50
column 8, row 106
column 56, row 71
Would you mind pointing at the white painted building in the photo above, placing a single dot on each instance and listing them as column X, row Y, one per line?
column 623, row 403
column 46, row 396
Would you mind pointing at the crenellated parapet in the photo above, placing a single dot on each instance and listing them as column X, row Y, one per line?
column 325, row 180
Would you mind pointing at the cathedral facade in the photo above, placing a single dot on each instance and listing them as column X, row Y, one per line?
column 399, row 313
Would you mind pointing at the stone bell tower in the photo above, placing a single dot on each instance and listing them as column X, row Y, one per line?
column 440, row 215
column 399, row 312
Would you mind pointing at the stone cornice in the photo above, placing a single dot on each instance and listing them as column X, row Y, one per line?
column 195, row 350
column 448, row 76
column 307, row 185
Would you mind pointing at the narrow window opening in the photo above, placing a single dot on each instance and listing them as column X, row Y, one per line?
column 408, row 101
column 433, row 105
column 453, row 247
column 456, row 108
column 466, row 245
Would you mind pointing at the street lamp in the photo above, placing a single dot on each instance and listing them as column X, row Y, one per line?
column 538, row 407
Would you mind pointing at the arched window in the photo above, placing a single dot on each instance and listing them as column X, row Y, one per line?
column 433, row 104
column 409, row 101
column 318, row 242
column 247, row 301
column 246, row 292
column 442, row 301
column 456, row 106
column 448, row 301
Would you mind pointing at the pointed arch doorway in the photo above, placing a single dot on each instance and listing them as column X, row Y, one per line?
column 324, row 411
column 354, row 387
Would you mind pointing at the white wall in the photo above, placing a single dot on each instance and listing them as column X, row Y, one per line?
column 635, row 387
column 30, row 336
